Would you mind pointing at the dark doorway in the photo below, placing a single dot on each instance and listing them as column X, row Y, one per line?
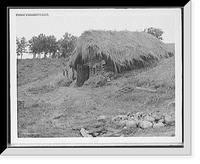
column 82, row 74
column 93, row 71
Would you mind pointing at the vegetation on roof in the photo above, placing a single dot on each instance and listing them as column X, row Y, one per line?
column 121, row 47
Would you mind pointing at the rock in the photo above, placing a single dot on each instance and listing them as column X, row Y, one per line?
column 123, row 123
column 96, row 130
column 169, row 120
column 125, row 127
column 120, row 117
column 129, row 113
column 149, row 118
column 162, row 120
column 108, row 80
column 117, row 135
column 131, row 124
column 102, row 118
column 84, row 133
column 132, row 118
column 145, row 124
column 157, row 115
column 95, row 134
column 158, row 125
column 172, row 104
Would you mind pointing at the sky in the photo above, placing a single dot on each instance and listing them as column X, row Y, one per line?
column 75, row 21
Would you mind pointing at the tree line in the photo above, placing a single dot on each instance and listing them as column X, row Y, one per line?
column 49, row 46
column 62, row 48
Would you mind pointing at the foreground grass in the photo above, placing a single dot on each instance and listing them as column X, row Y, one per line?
column 62, row 111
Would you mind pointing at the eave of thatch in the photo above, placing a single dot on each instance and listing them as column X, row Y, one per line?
column 121, row 47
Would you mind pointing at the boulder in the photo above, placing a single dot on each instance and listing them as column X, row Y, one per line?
column 169, row 120
column 123, row 123
column 145, row 124
column 149, row 118
column 158, row 125
column 162, row 120
column 131, row 124
column 102, row 118
column 157, row 115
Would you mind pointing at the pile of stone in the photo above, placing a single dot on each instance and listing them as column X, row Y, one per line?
column 130, row 122
column 144, row 120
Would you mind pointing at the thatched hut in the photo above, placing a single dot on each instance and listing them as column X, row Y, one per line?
column 116, row 51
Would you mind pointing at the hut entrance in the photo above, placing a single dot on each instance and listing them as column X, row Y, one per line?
column 82, row 74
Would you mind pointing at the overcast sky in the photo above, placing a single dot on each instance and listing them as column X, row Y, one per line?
column 58, row 21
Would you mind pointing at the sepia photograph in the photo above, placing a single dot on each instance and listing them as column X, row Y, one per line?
column 96, row 77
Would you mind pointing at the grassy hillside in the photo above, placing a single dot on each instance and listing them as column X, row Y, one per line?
column 171, row 45
column 161, row 76
column 29, row 70
column 48, row 111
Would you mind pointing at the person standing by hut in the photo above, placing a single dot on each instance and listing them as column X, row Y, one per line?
column 72, row 74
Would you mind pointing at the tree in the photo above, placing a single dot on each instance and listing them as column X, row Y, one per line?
column 43, row 45
column 51, row 46
column 21, row 46
column 157, row 32
column 67, row 44
column 34, row 46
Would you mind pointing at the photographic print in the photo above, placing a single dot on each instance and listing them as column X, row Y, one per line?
column 96, row 77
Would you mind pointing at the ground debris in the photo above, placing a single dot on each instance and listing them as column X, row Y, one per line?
column 96, row 130
column 41, row 89
column 146, row 89
column 84, row 133
column 111, row 134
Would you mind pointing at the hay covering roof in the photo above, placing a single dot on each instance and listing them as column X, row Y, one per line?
column 122, row 47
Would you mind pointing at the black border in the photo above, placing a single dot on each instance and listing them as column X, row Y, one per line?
column 182, row 23
column 172, row 146
column 83, row 7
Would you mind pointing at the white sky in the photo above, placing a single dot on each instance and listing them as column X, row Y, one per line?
column 76, row 21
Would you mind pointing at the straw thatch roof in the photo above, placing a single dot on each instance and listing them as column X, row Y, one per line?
column 120, row 47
